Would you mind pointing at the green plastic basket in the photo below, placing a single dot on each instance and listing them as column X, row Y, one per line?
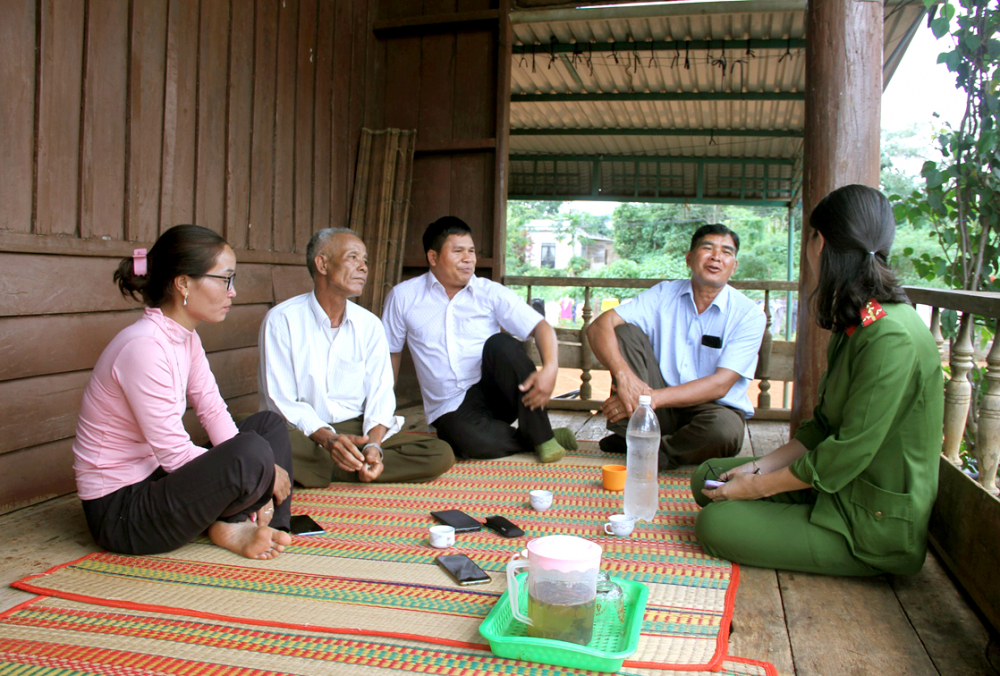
column 611, row 643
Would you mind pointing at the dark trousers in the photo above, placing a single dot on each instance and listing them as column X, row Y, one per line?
column 480, row 427
column 228, row 483
column 692, row 434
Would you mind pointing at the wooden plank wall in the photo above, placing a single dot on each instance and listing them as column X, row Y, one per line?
column 122, row 118
column 444, row 68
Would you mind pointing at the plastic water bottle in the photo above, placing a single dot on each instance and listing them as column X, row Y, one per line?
column 642, row 487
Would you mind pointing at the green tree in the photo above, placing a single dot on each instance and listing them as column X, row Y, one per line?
column 961, row 197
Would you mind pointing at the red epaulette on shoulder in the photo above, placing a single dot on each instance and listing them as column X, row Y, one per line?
column 871, row 313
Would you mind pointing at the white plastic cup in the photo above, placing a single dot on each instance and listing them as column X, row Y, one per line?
column 540, row 500
column 442, row 537
column 619, row 525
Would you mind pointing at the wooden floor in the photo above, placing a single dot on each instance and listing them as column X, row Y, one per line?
column 804, row 624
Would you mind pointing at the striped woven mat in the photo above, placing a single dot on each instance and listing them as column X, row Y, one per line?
column 373, row 573
column 63, row 638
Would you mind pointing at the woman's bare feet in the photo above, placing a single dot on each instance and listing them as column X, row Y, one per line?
column 249, row 539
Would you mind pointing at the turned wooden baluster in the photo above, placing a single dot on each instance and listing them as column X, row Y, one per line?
column 988, row 437
column 958, row 391
column 764, row 363
column 585, row 375
column 936, row 330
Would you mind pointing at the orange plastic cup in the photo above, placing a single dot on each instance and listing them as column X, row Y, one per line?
column 613, row 477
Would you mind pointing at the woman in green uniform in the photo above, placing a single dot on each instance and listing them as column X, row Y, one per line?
column 851, row 493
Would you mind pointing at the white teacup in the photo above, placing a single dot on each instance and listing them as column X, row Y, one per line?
column 442, row 537
column 619, row 525
column 540, row 500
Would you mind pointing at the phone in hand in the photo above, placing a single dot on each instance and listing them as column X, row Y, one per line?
column 460, row 521
column 712, row 483
column 462, row 569
column 303, row 524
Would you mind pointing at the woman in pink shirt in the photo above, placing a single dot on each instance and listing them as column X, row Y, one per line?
column 145, row 486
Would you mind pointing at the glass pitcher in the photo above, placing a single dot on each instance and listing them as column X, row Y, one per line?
column 562, row 586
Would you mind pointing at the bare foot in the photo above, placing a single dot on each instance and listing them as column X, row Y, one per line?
column 249, row 539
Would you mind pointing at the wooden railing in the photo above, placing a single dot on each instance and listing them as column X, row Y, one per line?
column 965, row 523
column 775, row 362
column 984, row 428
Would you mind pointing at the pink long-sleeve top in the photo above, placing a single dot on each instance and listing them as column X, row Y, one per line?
column 130, row 418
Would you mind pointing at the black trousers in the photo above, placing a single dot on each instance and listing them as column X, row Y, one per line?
column 480, row 427
column 228, row 483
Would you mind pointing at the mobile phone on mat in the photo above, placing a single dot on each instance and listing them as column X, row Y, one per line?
column 462, row 569
column 504, row 527
column 303, row 524
column 460, row 521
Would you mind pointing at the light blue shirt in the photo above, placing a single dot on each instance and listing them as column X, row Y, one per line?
column 668, row 316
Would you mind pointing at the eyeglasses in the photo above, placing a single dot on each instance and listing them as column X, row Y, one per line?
column 230, row 283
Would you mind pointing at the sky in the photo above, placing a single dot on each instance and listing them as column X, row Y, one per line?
column 919, row 88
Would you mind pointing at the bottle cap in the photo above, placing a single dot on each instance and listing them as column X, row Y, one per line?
column 645, row 400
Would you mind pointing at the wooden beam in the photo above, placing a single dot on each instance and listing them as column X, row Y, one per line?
column 604, row 97
column 627, row 46
column 14, row 242
column 460, row 145
column 635, row 131
column 436, row 23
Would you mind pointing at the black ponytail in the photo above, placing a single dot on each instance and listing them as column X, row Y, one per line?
column 181, row 250
column 857, row 223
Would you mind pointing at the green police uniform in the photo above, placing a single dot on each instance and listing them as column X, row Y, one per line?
column 874, row 444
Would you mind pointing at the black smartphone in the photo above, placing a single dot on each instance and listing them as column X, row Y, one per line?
column 463, row 569
column 504, row 527
column 460, row 521
column 303, row 524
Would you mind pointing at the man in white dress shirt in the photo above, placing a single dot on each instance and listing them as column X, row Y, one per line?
column 325, row 367
column 692, row 344
column 474, row 379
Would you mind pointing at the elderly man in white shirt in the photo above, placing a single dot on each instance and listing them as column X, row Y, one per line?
column 474, row 379
column 325, row 367
column 692, row 344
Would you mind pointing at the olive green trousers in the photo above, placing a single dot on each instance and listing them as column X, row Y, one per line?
column 408, row 458
column 772, row 532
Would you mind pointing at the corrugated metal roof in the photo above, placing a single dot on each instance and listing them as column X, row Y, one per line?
column 730, row 73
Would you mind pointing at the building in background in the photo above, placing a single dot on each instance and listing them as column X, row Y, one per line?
column 553, row 244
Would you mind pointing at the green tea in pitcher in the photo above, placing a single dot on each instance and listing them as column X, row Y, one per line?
column 564, row 622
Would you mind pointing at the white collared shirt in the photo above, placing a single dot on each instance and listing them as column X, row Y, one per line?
column 446, row 337
column 314, row 375
column 669, row 317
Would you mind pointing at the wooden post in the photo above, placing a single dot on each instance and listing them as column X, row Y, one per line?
column 585, row 374
column 764, row 361
column 936, row 329
column 958, row 390
column 504, row 40
column 842, row 125
column 988, row 438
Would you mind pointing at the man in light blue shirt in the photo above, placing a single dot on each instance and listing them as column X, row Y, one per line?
column 692, row 345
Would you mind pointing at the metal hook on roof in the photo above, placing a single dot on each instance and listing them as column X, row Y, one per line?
column 749, row 53
column 687, row 55
column 677, row 56
column 711, row 139
column 788, row 51
column 614, row 51
column 552, row 50
column 590, row 57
